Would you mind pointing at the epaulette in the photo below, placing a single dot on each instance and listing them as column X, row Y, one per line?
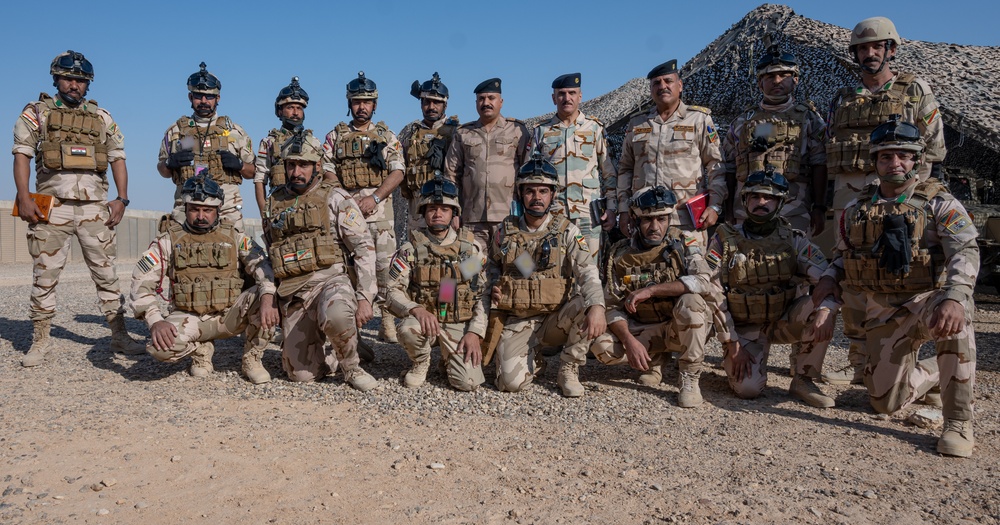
column 512, row 119
column 701, row 109
column 595, row 119
column 469, row 124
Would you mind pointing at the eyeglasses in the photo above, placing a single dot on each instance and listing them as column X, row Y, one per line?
column 206, row 96
column 75, row 62
column 895, row 131
column 439, row 188
column 658, row 197
column 360, row 84
column 773, row 179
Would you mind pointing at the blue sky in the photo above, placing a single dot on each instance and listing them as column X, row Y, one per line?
column 143, row 53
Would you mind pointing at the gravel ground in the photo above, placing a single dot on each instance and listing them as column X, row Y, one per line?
column 92, row 437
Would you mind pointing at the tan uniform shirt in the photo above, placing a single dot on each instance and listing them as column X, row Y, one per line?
column 393, row 154
column 265, row 158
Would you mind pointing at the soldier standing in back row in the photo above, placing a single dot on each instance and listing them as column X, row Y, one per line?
column 575, row 144
column 854, row 113
column 368, row 162
column 425, row 143
column 205, row 141
column 73, row 142
column 483, row 161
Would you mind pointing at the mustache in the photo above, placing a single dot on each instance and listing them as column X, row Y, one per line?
column 765, row 208
column 486, row 106
column 535, row 202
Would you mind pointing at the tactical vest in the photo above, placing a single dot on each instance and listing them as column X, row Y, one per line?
column 353, row 167
column 205, row 269
column 758, row 274
column 633, row 270
column 863, row 272
column 73, row 138
column 432, row 263
column 278, row 138
column 207, row 144
column 857, row 115
column 418, row 167
column 546, row 289
column 300, row 238
column 785, row 153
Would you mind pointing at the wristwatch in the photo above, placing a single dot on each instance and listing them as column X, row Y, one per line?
column 377, row 200
column 124, row 201
column 717, row 208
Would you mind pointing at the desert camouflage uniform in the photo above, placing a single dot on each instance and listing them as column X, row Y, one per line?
column 461, row 375
column 809, row 148
column 320, row 306
column 896, row 324
column 690, row 320
column 80, row 209
column 410, row 188
column 381, row 225
column 677, row 153
column 523, row 338
column 580, row 155
column 239, row 144
column 483, row 165
column 150, row 276
column 783, row 314
column 268, row 159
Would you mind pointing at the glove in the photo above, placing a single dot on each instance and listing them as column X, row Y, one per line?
column 435, row 154
column 229, row 161
column 180, row 158
column 374, row 155
column 895, row 245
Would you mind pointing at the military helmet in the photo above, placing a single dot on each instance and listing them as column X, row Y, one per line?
column 302, row 146
column 204, row 82
column 875, row 29
column 433, row 89
column 896, row 134
column 201, row 189
column 767, row 182
column 774, row 61
column 653, row 201
column 72, row 65
column 537, row 171
column 290, row 93
column 439, row 190
column 362, row 88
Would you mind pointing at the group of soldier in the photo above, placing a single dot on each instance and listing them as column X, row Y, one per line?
column 509, row 247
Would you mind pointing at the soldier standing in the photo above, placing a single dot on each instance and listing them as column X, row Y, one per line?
column 318, row 241
column 483, row 160
column 368, row 161
column 673, row 145
column 543, row 277
column 437, row 282
column 425, row 143
column 657, row 291
column 205, row 259
column 782, row 132
column 575, row 144
column 761, row 266
column 854, row 113
column 907, row 257
column 73, row 142
column 207, row 142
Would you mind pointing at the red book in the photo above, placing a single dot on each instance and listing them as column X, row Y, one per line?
column 696, row 206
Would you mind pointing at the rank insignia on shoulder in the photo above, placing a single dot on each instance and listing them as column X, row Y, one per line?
column 582, row 242
column 701, row 109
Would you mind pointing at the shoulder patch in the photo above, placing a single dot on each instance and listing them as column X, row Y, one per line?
column 398, row 265
column 582, row 243
column 955, row 221
column 812, row 252
column 246, row 245
column 931, row 117
column 148, row 261
column 712, row 133
column 713, row 258
column 351, row 217
column 701, row 109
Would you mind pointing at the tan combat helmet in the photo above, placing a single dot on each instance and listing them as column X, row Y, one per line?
column 362, row 88
column 896, row 134
column 202, row 190
column 293, row 92
column 874, row 29
column 653, row 201
column 204, row 82
column 432, row 89
column 302, row 146
column 774, row 61
column 72, row 65
column 439, row 190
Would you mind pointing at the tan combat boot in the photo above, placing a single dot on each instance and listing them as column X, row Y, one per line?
column 40, row 343
column 690, row 394
column 252, row 367
column 653, row 376
column 201, row 360
column 569, row 379
column 387, row 332
column 121, row 341
column 805, row 390
column 417, row 373
column 359, row 379
column 956, row 439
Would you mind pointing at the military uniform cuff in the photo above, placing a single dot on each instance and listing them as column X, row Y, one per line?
column 266, row 288
column 957, row 295
column 396, row 165
column 615, row 315
column 27, row 151
column 152, row 317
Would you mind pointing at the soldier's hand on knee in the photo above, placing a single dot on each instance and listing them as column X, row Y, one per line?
column 364, row 312
column 822, row 324
column 638, row 357
column 429, row 325
column 595, row 323
column 637, row 297
column 948, row 318
column 470, row 347
column 742, row 360
column 269, row 316
column 163, row 335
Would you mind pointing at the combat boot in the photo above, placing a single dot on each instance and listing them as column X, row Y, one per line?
column 121, row 341
column 417, row 373
column 40, row 343
column 851, row 374
column 541, row 364
column 690, row 394
column 359, row 379
column 653, row 376
column 805, row 390
column 956, row 439
column 569, row 379
column 387, row 332
column 252, row 367
column 201, row 360
column 365, row 351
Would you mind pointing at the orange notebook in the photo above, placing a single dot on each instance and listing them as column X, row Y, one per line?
column 44, row 203
column 696, row 206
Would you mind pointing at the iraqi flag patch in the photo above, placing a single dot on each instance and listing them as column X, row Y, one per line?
column 397, row 267
column 147, row 262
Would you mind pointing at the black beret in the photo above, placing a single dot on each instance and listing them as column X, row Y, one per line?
column 665, row 68
column 571, row 80
column 488, row 86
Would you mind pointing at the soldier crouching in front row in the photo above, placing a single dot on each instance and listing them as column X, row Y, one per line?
column 658, row 295
column 205, row 260
column 436, row 283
